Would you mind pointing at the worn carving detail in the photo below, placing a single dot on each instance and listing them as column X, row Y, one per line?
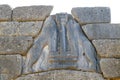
column 61, row 45
column 37, row 56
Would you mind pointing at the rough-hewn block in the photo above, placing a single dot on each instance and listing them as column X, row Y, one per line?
column 63, row 75
column 5, row 13
column 86, row 15
column 110, row 67
column 102, row 31
column 31, row 13
column 15, row 45
column 20, row 28
column 107, row 48
column 10, row 66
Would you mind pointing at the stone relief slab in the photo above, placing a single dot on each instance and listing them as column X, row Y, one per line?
column 61, row 45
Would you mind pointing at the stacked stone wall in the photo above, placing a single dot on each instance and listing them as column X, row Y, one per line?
column 35, row 45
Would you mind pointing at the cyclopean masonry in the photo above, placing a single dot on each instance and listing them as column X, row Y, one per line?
column 35, row 45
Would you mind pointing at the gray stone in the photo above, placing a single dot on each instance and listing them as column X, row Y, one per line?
column 15, row 45
column 10, row 66
column 110, row 67
column 31, row 13
column 90, row 15
column 5, row 13
column 63, row 75
column 20, row 28
column 87, row 59
column 107, row 48
column 102, row 31
column 57, row 47
column 38, row 53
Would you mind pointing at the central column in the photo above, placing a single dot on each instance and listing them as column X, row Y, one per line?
column 61, row 20
column 63, row 58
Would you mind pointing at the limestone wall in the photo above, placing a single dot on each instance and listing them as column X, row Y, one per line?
column 35, row 45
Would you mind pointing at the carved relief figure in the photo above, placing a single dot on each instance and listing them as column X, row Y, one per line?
column 61, row 45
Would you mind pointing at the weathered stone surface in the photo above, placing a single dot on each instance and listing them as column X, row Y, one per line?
column 114, row 79
column 10, row 66
column 107, row 48
column 5, row 13
column 102, row 31
column 110, row 67
column 31, row 13
column 61, row 45
column 20, row 28
column 89, row 15
column 63, row 75
column 15, row 45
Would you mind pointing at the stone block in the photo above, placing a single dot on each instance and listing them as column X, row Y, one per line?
column 15, row 45
column 31, row 13
column 5, row 13
column 110, row 67
column 107, row 48
column 61, row 45
column 63, row 75
column 20, row 28
column 90, row 15
column 102, row 31
column 10, row 66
